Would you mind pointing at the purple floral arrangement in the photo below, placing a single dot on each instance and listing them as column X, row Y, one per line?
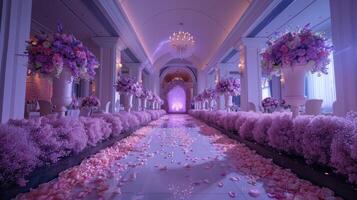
column 229, row 86
column 89, row 102
column 209, row 94
column 49, row 54
column 270, row 102
column 296, row 48
column 128, row 84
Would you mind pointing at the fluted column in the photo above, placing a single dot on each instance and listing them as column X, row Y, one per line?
column 251, row 89
column 344, row 29
column 107, row 72
column 15, row 30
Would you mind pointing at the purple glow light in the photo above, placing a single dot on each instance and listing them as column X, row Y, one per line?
column 176, row 98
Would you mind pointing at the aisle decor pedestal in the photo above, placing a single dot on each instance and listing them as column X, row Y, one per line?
column 211, row 104
column 294, row 86
column 144, row 103
column 228, row 101
column 228, row 87
column 127, row 101
column 62, row 92
column 293, row 55
column 128, row 87
column 48, row 56
column 89, row 105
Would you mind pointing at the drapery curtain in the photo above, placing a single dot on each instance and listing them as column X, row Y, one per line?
column 322, row 87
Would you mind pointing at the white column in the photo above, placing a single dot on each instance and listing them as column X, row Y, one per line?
column 251, row 89
column 14, row 31
column 107, row 71
column 344, row 29
column 201, row 80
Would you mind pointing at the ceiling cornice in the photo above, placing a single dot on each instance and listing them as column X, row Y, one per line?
column 113, row 11
column 248, row 21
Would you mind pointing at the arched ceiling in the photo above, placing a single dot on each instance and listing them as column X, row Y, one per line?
column 178, row 75
column 209, row 21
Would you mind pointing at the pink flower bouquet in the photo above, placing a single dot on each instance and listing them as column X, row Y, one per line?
column 229, row 86
column 296, row 48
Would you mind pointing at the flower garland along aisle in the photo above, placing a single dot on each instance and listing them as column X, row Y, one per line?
column 210, row 95
column 293, row 55
column 63, row 58
column 127, row 86
column 228, row 87
column 89, row 105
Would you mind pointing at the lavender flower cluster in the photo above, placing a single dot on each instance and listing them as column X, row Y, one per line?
column 270, row 104
column 209, row 94
column 90, row 102
column 49, row 54
column 326, row 140
column 296, row 48
column 229, row 86
column 127, row 84
column 29, row 144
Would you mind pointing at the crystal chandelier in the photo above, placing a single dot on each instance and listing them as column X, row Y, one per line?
column 182, row 43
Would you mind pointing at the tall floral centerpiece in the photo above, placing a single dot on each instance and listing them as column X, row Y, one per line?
column 210, row 95
column 89, row 104
column 127, row 87
column 63, row 58
column 228, row 87
column 145, row 95
column 199, row 101
column 293, row 55
column 138, row 93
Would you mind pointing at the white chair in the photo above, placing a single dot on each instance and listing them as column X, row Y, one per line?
column 313, row 106
column 251, row 107
column 107, row 107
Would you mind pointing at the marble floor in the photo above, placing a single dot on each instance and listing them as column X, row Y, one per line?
column 178, row 157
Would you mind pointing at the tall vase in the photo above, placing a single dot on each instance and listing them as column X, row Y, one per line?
column 228, row 101
column 210, row 104
column 62, row 92
column 294, row 86
column 138, row 104
column 144, row 104
column 127, row 101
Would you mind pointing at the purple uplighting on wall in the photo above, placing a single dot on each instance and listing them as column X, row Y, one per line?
column 176, row 99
